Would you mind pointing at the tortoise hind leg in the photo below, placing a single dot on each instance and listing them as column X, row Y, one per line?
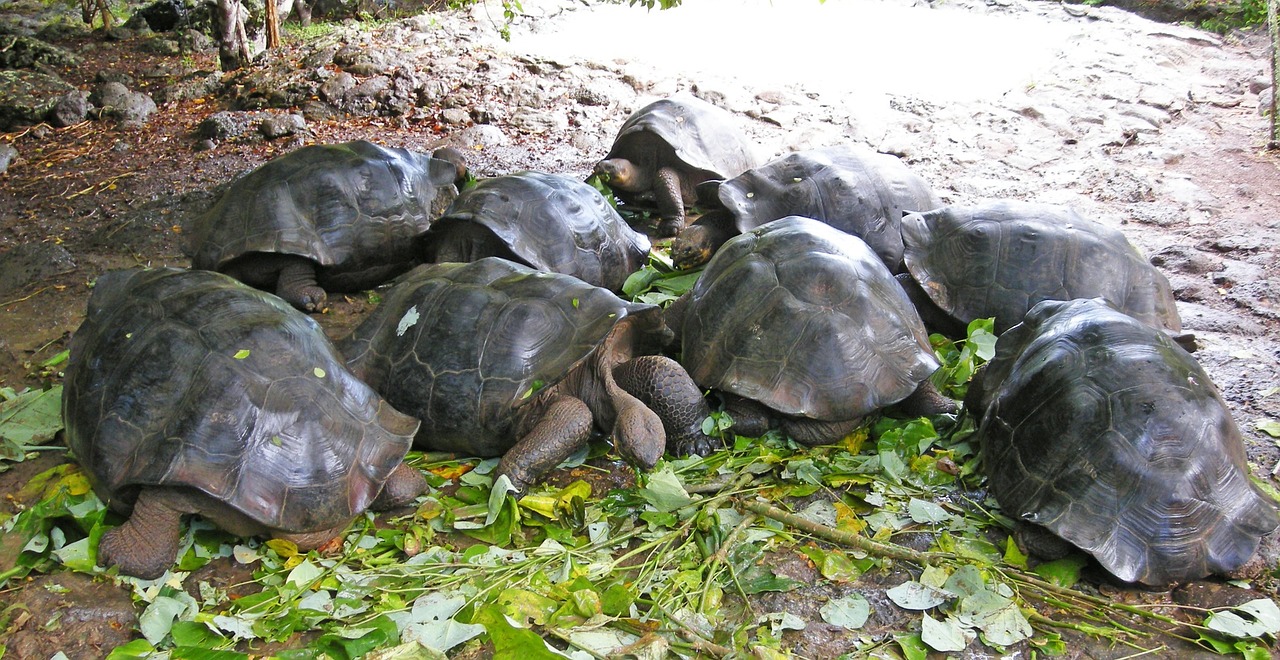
column 562, row 429
column 296, row 283
column 146, row 545
column 667, row 389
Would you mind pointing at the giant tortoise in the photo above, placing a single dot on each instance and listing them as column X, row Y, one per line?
column 189, row 392
column 1102, row 430
column 798, row 323
column 853, row 189
column 498, row 359
column 550, row 222
column 336, row 217
column 665, row 149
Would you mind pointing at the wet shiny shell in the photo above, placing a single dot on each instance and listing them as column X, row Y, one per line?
column 855, row 190
column 704, row 137
column 191, row 379
column 1000, row 259
column 1101, row 429
column 806, row 320
column 553, row 223
column 356, row 209
column 462, row 345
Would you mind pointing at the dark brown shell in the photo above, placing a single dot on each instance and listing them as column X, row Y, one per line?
column 1103, row 430
column 855, row 190
column 703, row 138
column 462, row 346
column 1000, row 259
column 806, row 320
column 191, row 379
column 553, row 223
column 356, row 209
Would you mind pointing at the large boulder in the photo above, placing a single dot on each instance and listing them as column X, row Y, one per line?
column 26, row 97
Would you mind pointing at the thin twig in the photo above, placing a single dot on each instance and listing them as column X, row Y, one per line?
column 875, row 548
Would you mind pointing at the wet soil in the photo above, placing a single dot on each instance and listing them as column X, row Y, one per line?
column 97, row 196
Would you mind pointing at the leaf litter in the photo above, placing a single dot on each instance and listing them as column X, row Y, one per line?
column 675, row 564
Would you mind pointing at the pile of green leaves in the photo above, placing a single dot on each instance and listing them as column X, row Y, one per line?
column 677, row 563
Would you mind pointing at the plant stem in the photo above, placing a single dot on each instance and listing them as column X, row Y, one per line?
column 875, row 548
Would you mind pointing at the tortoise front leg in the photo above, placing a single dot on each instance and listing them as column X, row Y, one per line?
column 813, row 432
column 667, row 389
column 401, row 487
column 926, row 401
column 564, row 428
column 666, row 193
column 146, row 545
column 296, row 283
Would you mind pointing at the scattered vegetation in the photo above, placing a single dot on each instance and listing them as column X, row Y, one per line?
column 677, row 563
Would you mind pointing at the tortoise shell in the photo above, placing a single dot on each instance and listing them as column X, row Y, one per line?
column 855, row 190
column 806, row 320
column 462, row 346
column 1106, row 432
column 553, row 223
column 192, row 379
column 702, row 138
column 356, row 209
column 1001, row 258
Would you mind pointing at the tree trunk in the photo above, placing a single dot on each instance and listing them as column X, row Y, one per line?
column 89, row 9
column 233, row 43
column 273, row 24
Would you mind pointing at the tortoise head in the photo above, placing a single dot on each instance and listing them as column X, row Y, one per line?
column 619, row 173
column 695, row 244
column 459, row 161
column 638, row 434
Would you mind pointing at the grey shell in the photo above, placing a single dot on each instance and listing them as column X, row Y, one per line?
column 357, row 209
column 855, row 190
column 1103, row 430
column 191, row 379
column 553, row 223
column 806, row 320
column 1001, row 258
column 461, row 346
column 704, row 137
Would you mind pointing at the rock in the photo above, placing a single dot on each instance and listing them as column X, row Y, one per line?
column 21, row 52
column 277, row 126
column 32, row 262
column 1185, row 259
column 119, row 102
column 26, row 97
column 162, row 15
column 71, row 109
column 1201, row 318
column 113, row 75
column 194, row 41
column 455, row 116
column 160, row 46
column 7, row 155
column 222, row 126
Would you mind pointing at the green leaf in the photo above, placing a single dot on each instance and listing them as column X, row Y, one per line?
column 850, row 611
column 319, row 373
column 241, row 354
column 138, row 649
column 1269, row 426
column 926, row 512
column 1064, row 572
column 664, row 491
column 1013, row 555
column 913, row 648
column 33, row 417
column 158, row 618
column 198, row 653
column 912, row 595
column 945, row 636
column 409, row 651
column 1252, row 619
column 510, row 641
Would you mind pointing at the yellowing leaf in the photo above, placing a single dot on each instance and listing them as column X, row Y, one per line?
column 285, row 548
column 318, row 372
column 241, row 354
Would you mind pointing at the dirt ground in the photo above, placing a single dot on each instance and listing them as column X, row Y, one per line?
column 113, row 197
